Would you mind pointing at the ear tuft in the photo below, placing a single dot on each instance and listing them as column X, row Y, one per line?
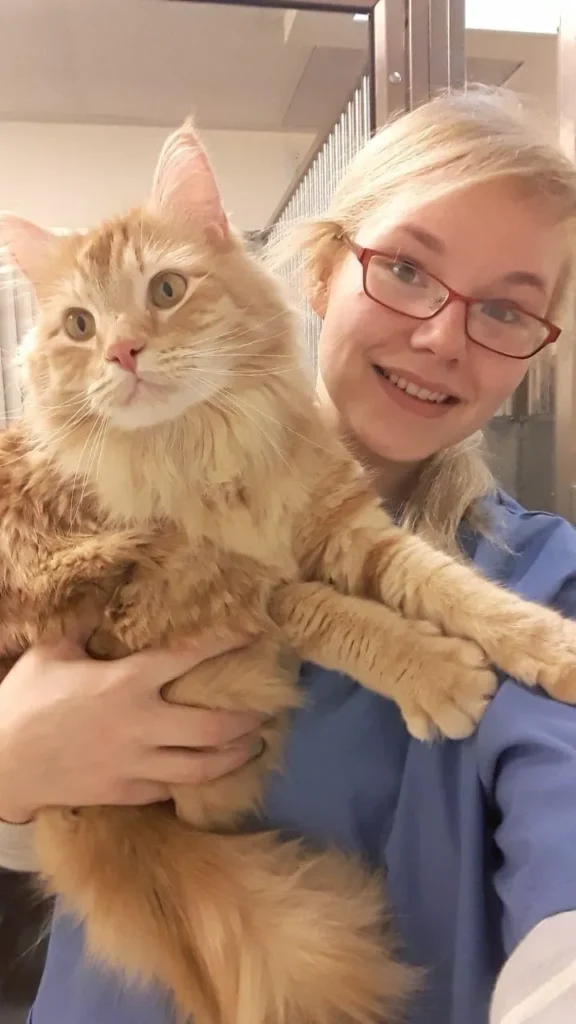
column 185, row 188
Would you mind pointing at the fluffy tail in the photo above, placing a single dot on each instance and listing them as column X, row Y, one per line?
column 241, row 929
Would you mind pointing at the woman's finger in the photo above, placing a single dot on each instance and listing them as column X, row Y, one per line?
column 181, row 768
column 198, row 728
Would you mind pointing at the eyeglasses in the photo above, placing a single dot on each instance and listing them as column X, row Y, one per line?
column 495, row 324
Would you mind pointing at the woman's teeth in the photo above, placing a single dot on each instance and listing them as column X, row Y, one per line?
column 411, row 389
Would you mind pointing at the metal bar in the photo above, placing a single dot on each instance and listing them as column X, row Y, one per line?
column 302, row 172
column 456, row 30
column 356, row 7
column 418, row 49
column 418, row 52
column 438, row 32
column 519, row 402
column 447, row 40
column 389, row 57
column 312, row 195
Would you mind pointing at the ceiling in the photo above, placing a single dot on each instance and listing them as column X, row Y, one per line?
column 151, row 62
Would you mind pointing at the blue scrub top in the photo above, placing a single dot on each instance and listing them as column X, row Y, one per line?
column 477, row 838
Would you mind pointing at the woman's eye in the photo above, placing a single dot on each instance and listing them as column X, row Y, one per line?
column 167, row 289
column 404, row 272
column 501, row 311
column 79, row 324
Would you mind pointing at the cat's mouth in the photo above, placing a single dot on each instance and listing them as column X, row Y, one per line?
column 131, row 401
column 136, row 387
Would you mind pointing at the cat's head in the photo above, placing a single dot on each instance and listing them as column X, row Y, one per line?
column 151, row 314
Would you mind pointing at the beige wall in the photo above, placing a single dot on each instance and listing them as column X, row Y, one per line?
column 72, row 175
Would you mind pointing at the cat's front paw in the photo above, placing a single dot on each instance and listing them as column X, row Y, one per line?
column 447, row 687
column 542, row 652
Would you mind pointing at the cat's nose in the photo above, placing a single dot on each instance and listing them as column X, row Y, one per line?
column 124, row 352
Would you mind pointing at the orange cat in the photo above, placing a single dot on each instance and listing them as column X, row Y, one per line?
column 171, row 472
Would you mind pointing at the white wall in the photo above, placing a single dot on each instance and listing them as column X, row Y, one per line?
column 514, row 15
column 72, row 175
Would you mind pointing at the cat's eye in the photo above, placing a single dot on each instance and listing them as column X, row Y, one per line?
column 167, row 289
column 79, row 325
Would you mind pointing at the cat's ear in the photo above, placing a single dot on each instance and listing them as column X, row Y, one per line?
column 26, row 246
column 185, row 187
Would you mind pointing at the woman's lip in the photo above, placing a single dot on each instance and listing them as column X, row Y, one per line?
column 416, row 406
column 419, row 382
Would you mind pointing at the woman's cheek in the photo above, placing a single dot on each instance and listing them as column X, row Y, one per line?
column 499, row 378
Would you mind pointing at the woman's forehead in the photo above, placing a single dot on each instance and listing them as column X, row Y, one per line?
column 493, row 224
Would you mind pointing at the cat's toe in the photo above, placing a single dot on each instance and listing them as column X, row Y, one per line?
column 454, row 705
column 546, row 657
column 560, row 682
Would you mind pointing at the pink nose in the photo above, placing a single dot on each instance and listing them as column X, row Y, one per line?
column 124, row 352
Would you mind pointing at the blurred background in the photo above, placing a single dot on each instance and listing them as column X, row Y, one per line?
column 284, row 96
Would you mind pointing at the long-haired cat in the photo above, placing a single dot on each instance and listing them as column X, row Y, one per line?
column 172, row 472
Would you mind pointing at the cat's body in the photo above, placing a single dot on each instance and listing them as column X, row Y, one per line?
column 173, row 472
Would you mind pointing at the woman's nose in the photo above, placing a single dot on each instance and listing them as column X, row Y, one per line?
column 443, row 334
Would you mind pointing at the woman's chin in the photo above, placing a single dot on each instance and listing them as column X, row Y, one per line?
column 396, row 439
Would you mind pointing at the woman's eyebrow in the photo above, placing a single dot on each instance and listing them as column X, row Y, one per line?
column 525, row 277
column 435, row 244
column 425, row 238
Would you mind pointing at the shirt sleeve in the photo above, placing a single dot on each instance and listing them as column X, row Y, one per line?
column 527, row 764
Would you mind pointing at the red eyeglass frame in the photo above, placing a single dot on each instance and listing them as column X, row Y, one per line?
column 364, row 255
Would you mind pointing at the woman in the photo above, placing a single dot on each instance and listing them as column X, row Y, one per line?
column 442, row 269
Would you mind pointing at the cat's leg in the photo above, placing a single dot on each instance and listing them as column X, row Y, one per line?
column 104, row 557
column 440, row 683
column 364, row 553
column 261, row 678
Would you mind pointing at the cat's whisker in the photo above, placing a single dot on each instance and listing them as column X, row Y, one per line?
column 214, row 347
column 235, row 405
column 56, row 437
column 272, row 371
column 189, row 360
column 217, row 337
column 12, row 415
column 96, row 449
column 76, row 406
column 103, row 433
column 80, row 463
column 79, row 401
column 284, row 426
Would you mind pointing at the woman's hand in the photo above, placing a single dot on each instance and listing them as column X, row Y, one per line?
column 78, row 732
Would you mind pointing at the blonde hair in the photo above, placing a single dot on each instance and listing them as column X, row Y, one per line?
column 455, row 141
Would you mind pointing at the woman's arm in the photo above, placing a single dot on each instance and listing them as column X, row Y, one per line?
column 76, row 732
column 527, row 753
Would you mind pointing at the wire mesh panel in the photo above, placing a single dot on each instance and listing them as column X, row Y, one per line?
column 16, row 318
column 314, row 192
column 522, row 437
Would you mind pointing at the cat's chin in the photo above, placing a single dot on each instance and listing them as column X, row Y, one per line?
column 141, row 414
